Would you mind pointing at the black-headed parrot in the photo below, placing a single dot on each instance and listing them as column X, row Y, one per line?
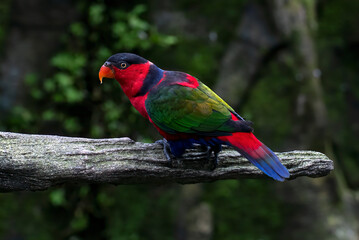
column 185, row 112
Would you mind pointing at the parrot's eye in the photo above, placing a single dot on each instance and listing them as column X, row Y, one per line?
column 123, row 65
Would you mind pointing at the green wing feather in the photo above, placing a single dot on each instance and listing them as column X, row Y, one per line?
column 180, row 109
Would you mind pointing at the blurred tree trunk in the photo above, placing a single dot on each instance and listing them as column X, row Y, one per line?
column 264, row 31
column 33, row 35
column 316, row 214
column 295, row 22
column 254, row 44
column 193, row 218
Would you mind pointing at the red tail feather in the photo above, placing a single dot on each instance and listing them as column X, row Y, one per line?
column 258, row 154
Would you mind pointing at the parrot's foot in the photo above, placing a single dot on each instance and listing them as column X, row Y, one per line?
column 215, row 149
column 166, row 149
column 208, row 151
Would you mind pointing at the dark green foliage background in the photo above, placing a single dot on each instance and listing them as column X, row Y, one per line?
column 71, row 102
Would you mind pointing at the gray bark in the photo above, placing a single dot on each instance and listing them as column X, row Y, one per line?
column 37, row 162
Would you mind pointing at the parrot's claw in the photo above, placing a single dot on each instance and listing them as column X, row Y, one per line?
column 207, row 150
column 215, row 149
column 166, row 149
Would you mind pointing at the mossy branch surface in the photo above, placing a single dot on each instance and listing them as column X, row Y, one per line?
column 37, row 162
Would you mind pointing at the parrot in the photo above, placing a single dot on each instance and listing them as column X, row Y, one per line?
column 186, row 112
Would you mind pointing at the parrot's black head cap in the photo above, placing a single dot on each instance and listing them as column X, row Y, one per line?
column 130, row 58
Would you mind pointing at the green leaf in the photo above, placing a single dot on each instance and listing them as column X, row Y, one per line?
column 73, row 95
column 69, row 61
column 31, row 79
column 79, row 222
column 137, row 23
column 36, row 93
column 84, row 191
column 64, row 80
column 48, row 115
column 96, row 13
column 139, row 9
column 49, row 85
column 119, row 29
column 78, row 29
column 57, row 197
column 72, row 125
column 105, row 199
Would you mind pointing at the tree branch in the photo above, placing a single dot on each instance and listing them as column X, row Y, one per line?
column 37, row 162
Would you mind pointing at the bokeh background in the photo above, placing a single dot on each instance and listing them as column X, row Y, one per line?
column 291, row 67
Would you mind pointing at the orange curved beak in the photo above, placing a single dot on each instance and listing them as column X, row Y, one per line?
column 105, row 72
